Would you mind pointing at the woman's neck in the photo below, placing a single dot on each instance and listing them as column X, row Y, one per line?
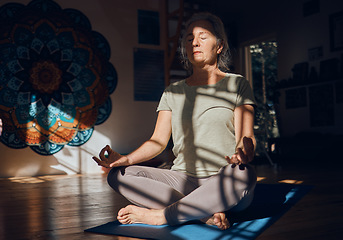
column 205, row 77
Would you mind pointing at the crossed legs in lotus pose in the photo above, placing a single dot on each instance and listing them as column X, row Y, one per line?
column 162, row 196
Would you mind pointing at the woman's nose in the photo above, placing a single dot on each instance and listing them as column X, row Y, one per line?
column 195, row 42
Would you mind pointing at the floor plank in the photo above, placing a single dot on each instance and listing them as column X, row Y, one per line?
column 61, row 207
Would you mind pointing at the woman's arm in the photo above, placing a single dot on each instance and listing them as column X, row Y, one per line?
column 244, row 131
column 151, row 148
column 158, row 141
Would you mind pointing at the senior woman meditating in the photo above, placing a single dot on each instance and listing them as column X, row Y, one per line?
column 210, row 117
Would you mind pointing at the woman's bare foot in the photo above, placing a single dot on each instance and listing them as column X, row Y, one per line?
column 220, row 220
column 133, row 214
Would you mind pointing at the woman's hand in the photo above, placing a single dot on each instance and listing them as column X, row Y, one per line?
column 148, row 150
column 242, row 156
column 113, row 159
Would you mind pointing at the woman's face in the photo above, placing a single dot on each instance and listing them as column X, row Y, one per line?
column 201, row 44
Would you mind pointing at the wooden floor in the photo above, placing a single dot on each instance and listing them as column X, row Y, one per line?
column 61, row 207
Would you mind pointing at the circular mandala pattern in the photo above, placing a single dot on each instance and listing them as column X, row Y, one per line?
column 55, row 77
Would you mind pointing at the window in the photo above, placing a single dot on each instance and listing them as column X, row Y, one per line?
column 261, row 70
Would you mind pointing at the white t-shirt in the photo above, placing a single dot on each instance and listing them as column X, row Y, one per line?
column 203, row 122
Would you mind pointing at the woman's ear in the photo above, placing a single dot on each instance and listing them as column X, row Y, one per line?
column 220, row 48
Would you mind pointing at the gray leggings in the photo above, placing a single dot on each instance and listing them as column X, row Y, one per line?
column 183, row 197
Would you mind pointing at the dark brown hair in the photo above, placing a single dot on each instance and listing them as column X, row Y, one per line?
column 219, row 32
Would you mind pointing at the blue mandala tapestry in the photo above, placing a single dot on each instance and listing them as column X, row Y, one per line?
column 55, row 77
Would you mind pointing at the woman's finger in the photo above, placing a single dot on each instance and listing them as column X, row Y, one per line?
column 249, row 148
column 103, row 151
column 242, row 158
column 108, row 149
column 232, row 160
column 99, row 162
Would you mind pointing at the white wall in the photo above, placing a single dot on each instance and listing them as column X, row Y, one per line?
column 130, row 122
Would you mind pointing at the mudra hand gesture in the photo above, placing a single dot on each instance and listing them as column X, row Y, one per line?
column 242, row 156
column 111, row 159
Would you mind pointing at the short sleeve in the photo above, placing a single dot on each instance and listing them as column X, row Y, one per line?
column 245, row 94
column 163, row 104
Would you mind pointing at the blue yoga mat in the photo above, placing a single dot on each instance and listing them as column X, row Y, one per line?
column 271, row 201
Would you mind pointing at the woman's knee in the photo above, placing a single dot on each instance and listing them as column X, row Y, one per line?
column 118, row 176
column 244, row 175
column 113, row 177
column 244, row 202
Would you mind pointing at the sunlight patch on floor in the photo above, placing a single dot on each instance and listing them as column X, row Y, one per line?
column 259, row 179
column 40, row 179
column 290, row 181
